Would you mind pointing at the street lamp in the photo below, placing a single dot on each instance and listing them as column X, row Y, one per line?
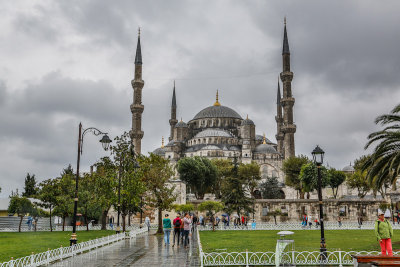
column 318, row 158
column 105, row 141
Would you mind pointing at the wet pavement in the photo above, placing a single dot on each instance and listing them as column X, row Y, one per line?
column 147, row 250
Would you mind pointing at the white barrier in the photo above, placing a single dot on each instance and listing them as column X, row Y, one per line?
column 66, row 252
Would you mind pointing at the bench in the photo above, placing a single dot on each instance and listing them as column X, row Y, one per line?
column 367, row 260
column 385, row 263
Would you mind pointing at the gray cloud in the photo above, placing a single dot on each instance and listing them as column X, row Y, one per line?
column 72, row 61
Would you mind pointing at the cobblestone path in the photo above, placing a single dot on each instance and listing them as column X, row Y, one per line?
column 147, row 250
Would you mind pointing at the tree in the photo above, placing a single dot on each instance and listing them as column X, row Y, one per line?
column 156, row 173
column 335, row 179
column 270, row 189
column 47, row 194
column 384, row 163
column 291, row 168
column 105, row 184
column 21, row 206
column 65, row 196
column 212, row 207
column 30, row 188
column 199, row 174
column 87, row 204
column 309, row 178
column 183, row 208
column 132, row 186
column 235, row 197
column 224, row 169
column 250, row 174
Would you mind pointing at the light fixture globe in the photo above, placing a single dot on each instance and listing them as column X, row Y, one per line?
column 105, row 141
column 318, row 155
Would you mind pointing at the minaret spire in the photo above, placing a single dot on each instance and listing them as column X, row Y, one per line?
column 137, row 107
column 288, row 127
column 173, row 121
column 279, row 121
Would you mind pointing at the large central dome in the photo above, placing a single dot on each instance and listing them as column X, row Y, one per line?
column 217, row 112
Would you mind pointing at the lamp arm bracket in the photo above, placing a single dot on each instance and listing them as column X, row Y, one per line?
column 92, row 130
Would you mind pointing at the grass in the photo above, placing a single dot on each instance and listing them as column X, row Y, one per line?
column 23, row 244
column 260, row 240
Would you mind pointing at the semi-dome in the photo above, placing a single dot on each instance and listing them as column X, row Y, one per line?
column 265, row 149
column 181, row 124
column 348, row 169
column 213, row 132
column 211, row 147
column 159, row 151
column 217, row 112
column 247, row 121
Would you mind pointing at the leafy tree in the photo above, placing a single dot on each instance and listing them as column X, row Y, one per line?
column 105, row 184
column 199, row 174
column 47, row 194
column 183, row 208
column 358, row 180
column 87, row 204
column 30, row 188
column 250, row 174
column 21, row 206
column 212, row 207
column 384, row 163
column 309, row 177
column 335, row 179
column 156, row 173
column 224, row 169
column 270, row 189
column 132, row 186
column 291, row 168
column 235, row 197
column 65, row 203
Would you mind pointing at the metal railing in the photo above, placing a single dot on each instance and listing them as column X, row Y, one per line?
column 78, row 228
column 66, row 252
column 295, row 226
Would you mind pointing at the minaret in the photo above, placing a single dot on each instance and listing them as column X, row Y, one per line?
column 173, row 120
column 136, row 132
column 287, row 101
column 279, row 121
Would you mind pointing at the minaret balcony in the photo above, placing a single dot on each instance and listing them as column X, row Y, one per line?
column 137, row 108
column 137, row 83
column 286, row 76
column 290, row 128
column 287, row 101
column 136, row 134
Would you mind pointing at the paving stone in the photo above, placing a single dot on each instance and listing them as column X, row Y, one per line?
column 147, row 250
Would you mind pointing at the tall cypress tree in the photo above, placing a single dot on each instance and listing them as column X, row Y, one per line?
column 30, row 189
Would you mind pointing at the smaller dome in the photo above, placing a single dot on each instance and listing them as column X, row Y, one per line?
column 213, row 132
column 261, row 138
column 181, row 124
column 159, row 151
column 348, row 169
column 265, row 149
column 247, row 121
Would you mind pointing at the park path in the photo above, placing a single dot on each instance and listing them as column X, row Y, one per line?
column 147, row 250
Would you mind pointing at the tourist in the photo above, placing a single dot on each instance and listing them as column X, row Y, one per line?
column 181, row 229
column 201, row 220
column 177, row 229
column 305, row 220
column 147, row 223
column 310, row 221
column 29, row 223
column 186, row 229
column 384, row 233
column 339, row 221
column 360, row 221
column 217, row 220
column 316, row 223
column 195, row 221
column 167, row 229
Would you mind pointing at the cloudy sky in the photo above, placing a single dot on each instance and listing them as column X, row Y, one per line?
column 65, row 62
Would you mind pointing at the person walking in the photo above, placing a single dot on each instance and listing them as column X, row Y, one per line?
column 147, row 223
column 186, row 229
column 310, row 221
column 177, row 229
column 384, row 234
column 167, row 229
column 339, row 219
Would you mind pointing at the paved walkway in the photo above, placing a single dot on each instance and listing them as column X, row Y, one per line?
column 147, row 250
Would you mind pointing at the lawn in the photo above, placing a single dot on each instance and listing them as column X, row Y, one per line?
column 256, row 241
column 23, row 244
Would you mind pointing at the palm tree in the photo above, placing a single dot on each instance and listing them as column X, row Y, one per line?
column 384, row 164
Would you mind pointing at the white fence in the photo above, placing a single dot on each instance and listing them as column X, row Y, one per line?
column 78, row 228
column 247, row 258
column 66, row 252
column 295, row 226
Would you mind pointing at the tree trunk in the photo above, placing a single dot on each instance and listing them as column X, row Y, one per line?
column 129, row 219
column 212, row 221
column 87, row 225
column 104, row 220
column 301, row 194
column 123, row 222
column 36, row 220
column 160, row 227
column 308, row 195
column 20, row 223
column 63, row 220
column 275, row 219
column 51, row 225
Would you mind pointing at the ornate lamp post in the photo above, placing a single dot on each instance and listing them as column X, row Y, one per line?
column 318, row 158
column 105, row 141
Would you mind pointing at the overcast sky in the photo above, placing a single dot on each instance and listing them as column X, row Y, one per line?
column 65, row 62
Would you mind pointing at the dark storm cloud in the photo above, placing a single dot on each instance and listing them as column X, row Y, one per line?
column 344, row 58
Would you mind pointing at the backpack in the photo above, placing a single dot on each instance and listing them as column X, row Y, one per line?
column 178, row 223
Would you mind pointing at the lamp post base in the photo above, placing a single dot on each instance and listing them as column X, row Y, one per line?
column 73, row 239
column 118, row 230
